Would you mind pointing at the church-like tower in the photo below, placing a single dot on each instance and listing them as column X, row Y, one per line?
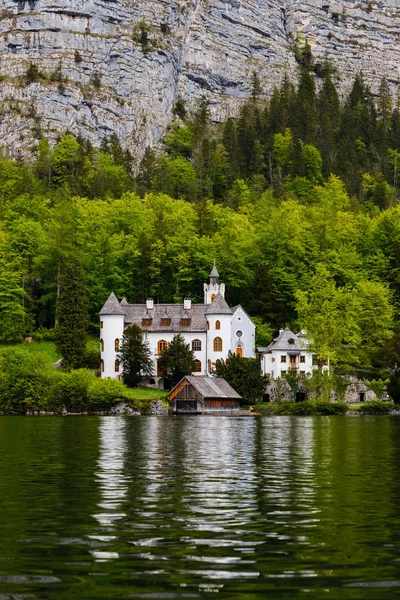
column 212, row 289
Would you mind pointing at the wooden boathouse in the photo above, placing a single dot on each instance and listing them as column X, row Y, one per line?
column 201, row 394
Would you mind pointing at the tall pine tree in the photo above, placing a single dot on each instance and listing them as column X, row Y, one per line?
column 72, row 316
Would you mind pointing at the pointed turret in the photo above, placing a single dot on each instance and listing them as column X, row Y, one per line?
column 112, row 306
column 214, row 287
column 214, row 275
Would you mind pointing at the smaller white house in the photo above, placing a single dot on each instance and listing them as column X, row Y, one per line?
column 288, row 352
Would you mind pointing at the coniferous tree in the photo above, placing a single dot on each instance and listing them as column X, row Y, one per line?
column 177, row 360
column 72, row 316
column 135, row 356
column 244, row 375
column 304, row 114
column 328, row 107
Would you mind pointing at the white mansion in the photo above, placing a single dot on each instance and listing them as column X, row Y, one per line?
column 211, row 329
column 288, row 352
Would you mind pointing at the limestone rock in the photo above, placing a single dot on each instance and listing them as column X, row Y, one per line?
column 123, row 64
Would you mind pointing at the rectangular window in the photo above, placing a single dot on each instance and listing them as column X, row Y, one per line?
column 283, row 372
column 283, row 358
column 185, row 322
column 166, row 322
column 101, row 324
column 302, row 373
column 146, row 322
column 302, row 359
column 273, row 359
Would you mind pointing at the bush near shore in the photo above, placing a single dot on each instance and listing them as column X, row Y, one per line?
column 30, row 383
column 316, row 407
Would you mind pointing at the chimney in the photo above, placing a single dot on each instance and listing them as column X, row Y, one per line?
column 187, row 304
column 149, row 303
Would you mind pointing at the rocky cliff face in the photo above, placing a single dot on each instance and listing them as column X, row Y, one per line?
column 119, row 65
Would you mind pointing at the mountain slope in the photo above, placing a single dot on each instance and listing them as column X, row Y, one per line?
column 118, row 66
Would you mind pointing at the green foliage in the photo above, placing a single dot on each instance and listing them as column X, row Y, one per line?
column 306, row 408
column 244, row 375
column 177, row 360
column 72, row 315
column 135, row 356
column 293, row 186
column 33, row 74
column 375, row 408
column 393, row 387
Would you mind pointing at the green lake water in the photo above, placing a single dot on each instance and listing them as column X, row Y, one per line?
column 199, row 507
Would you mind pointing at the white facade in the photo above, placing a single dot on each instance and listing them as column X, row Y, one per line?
column 111, row 331
column 243, row 333
column 288, row 352
column 211, row 329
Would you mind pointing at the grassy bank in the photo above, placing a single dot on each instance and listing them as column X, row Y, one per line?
column 323, row 408
column 30, row 383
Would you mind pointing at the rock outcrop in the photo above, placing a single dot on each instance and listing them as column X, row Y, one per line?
column 119, row 65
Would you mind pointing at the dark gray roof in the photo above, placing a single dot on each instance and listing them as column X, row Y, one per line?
column 212, row 387
column 134, row 313
column 112, row 306
column 282, row 342
column 218, row 306
column 214, row 272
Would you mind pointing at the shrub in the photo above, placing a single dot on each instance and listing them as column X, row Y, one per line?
column 27, row 381
column 104, row 393
column 44, row 335
column 74, row 390
column 375, row 408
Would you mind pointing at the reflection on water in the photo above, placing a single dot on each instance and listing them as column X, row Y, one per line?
column 149, row 507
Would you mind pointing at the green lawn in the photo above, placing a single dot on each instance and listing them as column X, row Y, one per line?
column 45, row 347
column 49, row 349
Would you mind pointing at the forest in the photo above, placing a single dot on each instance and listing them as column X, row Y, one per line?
column 295, row 198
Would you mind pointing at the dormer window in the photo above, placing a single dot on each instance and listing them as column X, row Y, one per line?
column 185, row 320
column 291, row 341
column 165, row 320
column 146, row 321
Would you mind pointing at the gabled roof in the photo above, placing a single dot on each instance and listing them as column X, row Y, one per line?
column 112, row 306
column 209, row 387
column 235, row 308
column 282, row 342
column 218, row 306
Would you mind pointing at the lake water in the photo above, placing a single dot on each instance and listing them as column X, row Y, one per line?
column 199, row 507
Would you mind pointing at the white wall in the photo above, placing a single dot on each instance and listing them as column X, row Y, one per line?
column 224, row 333
column 241, row 322
column 113, row 328
column 154, row 337
column 272, row 364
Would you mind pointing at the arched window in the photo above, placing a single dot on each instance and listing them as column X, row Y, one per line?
column 116, row 366
column 217, row 344
column 239, row 351
column 197, row 366
column 209, row 366
column 161, row 346
column 196, row 345
column 102, row 365
column 213, row 296
column 102, row 345
column 217, row 325
column 116, row 345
